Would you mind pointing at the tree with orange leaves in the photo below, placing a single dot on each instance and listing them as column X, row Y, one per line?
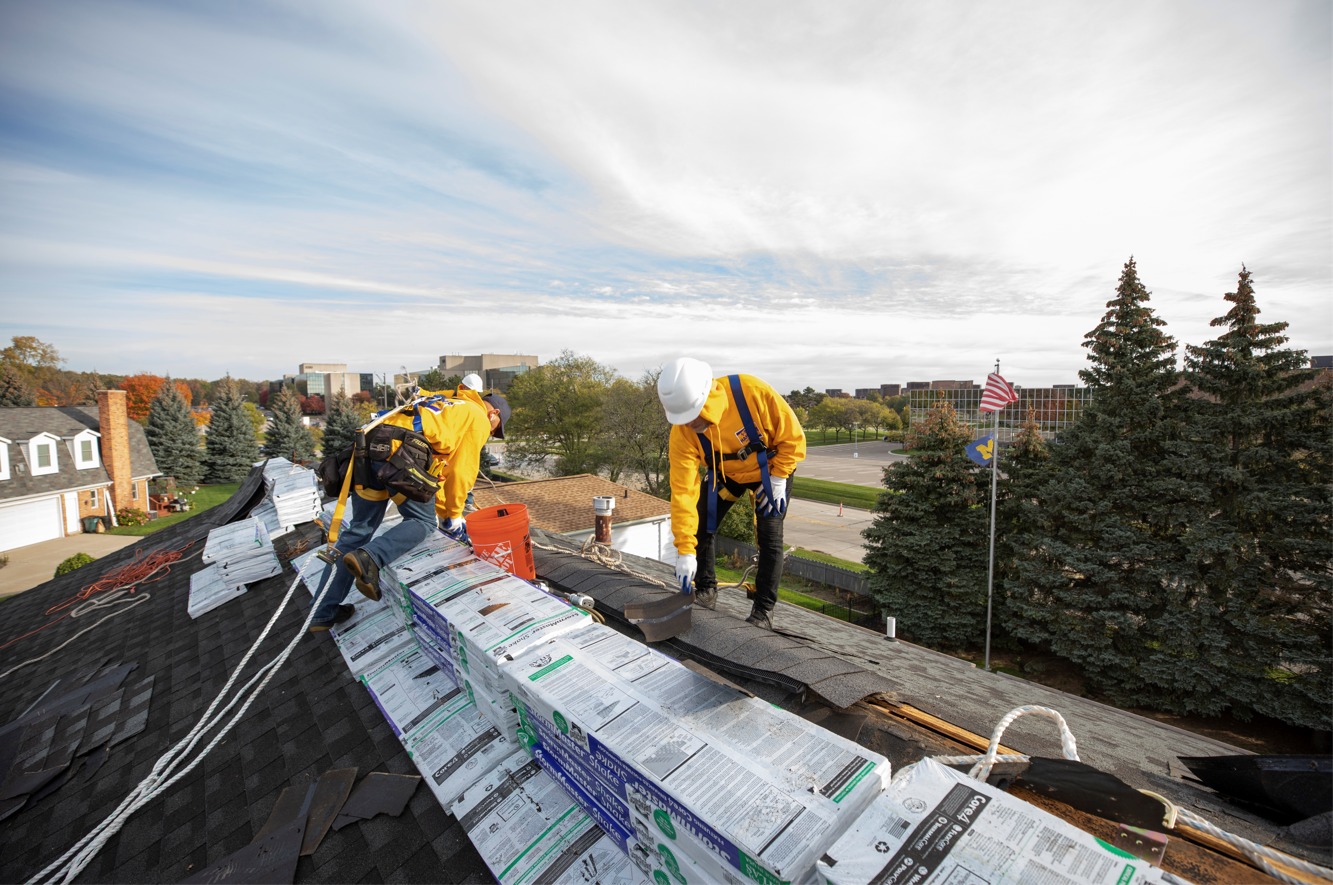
column 140, row 391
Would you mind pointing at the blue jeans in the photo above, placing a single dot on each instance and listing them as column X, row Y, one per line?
column 366, row 516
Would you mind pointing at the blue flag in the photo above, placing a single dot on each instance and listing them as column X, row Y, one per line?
column 982, row 450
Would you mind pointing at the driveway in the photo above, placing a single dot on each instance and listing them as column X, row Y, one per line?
column 36, row 563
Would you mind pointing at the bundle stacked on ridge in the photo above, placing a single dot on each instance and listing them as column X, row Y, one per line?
column 470, row 615
column 703, row 782
column 448, row 740
column 236, row 554
column 528, row 829
column 291, row 497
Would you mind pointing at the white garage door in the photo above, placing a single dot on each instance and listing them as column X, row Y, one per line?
column 24, row 524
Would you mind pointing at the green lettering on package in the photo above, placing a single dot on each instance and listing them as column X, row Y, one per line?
column 560, row 722
column 660, row 878
column 751, row 868
column 663, row 821
column 549, row 667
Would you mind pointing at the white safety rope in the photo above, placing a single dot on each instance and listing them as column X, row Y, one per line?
column 1262, row 856
column 114, row 599
column 167, row 770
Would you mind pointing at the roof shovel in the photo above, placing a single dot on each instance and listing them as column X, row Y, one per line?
column 662, row 618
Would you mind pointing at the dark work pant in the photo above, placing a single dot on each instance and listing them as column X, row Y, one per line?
column 768, row 538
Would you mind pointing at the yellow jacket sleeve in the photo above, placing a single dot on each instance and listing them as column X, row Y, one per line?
column 778, row 423
column 456, row 429
column 687, row 464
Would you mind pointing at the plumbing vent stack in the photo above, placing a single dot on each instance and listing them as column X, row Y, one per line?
column 602, row 505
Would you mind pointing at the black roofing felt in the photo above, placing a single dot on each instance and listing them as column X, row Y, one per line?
column 730, row 646
column 311, row 718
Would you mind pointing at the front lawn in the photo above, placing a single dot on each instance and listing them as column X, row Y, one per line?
column 829, row 492
column 206, row 498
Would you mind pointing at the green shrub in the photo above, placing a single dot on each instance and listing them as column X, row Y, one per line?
column 78, row 560
column 131, row 516
column 895, row 436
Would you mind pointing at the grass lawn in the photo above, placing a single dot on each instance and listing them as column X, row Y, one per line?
column 206, row 498
column 816, row 556
column 731, row 576
column 824, row 437
column 829, row 492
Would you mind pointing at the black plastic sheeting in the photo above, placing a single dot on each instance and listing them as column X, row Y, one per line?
column 724, row 643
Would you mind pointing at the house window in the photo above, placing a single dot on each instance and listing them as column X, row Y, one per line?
column 4, row 459
column 92, row 498
column 42, row 455
column 85, row 450
column 134, row 491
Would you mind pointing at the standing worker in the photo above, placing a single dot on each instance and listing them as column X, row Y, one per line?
column 425, row 457
column 731, row 435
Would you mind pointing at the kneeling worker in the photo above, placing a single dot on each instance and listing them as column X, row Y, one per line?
column 447, row 435
column 742, row 437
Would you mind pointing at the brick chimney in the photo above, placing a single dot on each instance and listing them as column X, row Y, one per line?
column 113, row 420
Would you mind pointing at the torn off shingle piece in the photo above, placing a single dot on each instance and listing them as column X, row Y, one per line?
column 378, row 793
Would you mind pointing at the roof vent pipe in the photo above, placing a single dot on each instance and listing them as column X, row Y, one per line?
column 602, row 505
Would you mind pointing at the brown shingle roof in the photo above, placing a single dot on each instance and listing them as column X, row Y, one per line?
column 564, row 504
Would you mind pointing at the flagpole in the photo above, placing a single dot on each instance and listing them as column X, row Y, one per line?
column 990, row 562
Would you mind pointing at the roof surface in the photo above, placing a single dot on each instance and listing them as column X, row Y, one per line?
column 311, row 718
column 564, row 504
column 21, row 424
column 314, row 717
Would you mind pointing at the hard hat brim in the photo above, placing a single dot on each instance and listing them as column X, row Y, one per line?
column 687, row 415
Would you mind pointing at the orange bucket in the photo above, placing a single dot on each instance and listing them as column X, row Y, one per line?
column 500, row 535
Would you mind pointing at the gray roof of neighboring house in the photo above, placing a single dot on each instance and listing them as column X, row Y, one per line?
column 22, row 424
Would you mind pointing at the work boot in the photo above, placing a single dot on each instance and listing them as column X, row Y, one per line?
column 760, row 619
column 705, row 598
column 366, row 571
column 342, row 614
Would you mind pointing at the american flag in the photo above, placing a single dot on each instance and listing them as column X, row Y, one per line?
column 998, row 393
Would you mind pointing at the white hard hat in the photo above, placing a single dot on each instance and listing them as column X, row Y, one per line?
column 683, row 388
column 472, row 381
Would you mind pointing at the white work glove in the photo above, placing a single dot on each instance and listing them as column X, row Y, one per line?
column 456, row 529
column 776, row 507
column 686, row 565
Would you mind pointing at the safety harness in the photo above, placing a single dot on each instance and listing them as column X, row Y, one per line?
column 755, row 447
column 383, row 457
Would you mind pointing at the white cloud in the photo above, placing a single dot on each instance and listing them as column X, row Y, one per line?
column 837, row 195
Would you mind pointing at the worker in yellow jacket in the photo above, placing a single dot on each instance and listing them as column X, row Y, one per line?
column 455, row 428
column 731, row 436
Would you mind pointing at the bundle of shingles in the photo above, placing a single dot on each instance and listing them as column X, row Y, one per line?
column 292, row 497
column 236, row 554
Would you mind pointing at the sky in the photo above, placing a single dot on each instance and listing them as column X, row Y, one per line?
column 834, row 195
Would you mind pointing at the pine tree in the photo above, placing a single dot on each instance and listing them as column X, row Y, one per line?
column 174, row 437
column 1098, row 557
column 230, row 449
column 1261, row 556
column 287, row 437
column 341, row 424
column 927, row 548
column 14, row 391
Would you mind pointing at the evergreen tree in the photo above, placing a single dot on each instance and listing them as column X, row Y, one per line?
column 288, row 437
column 1098, row 557
column 341, row 425
column 174, row 437
column 230, row 448
column 14, row 391
column 927, row 548
column 1260, row 557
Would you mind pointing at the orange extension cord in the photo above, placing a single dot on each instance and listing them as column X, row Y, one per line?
column 140, row 571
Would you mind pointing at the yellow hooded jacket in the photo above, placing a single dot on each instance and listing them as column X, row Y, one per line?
column 456, row 430
column 774, row 420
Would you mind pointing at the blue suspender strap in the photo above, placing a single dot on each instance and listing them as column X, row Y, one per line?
column 710, row 485
column 748, row 423
column 416, row 422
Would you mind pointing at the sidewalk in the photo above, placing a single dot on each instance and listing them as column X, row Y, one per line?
column 36, row 564
column 815, row 525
